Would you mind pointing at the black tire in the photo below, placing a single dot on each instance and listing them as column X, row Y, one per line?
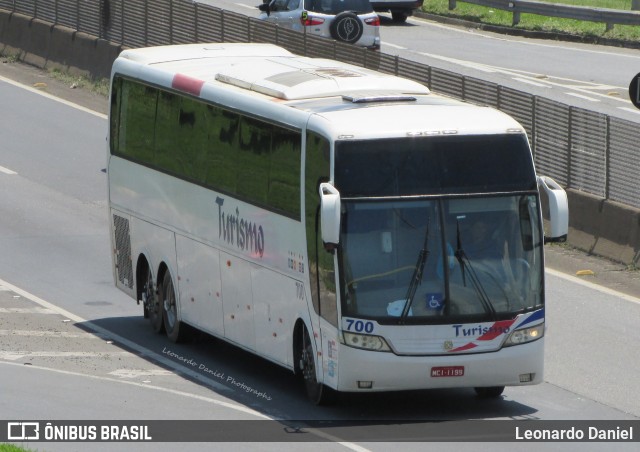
column 151, row 303
column 491, row 392
column 317, row 392
column 346, row 27
column 174, row 328
column 399, row 18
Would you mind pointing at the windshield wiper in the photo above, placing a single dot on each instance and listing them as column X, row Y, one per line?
column 416, row 278
column 464, row 261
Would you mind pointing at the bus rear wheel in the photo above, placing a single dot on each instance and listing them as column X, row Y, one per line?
column 491, row 392
column 317, row 392
column 173, row 326
column 151, row 303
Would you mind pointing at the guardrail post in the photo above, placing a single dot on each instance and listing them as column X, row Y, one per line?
column 452, row 4
column 515, row 15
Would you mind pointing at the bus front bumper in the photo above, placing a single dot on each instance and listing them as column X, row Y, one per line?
column 362, row 370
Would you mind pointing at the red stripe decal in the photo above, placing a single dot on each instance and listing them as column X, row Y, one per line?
column 187, row 84
column 469, row 346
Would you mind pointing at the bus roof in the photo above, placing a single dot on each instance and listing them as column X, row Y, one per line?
column 270, row 70
column 342, row 93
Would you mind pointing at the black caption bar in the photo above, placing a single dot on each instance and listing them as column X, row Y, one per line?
column 319, row 431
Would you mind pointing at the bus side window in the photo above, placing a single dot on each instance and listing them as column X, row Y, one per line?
column 138, row 117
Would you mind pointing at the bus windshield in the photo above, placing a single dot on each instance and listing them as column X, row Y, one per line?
column 475, row 258
column 439, row 230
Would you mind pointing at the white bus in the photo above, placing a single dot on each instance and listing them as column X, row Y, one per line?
column 346, row 224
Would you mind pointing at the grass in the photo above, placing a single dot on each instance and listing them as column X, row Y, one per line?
column 491, row 16
column 100, row 86
column 12, row 448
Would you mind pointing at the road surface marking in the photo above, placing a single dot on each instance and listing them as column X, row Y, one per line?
column 631, row 110
column 34, row 333
column 135, row 373
column 388, row 44
column 7, row 171
column 531, row 82
column 26, row 311
column 19, row 354
column 590, row 285
column 582, row 96
column 52, row 97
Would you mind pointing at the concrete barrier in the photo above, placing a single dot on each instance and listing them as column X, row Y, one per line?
column 598, row 226
column 605, row 228
column 53, row 46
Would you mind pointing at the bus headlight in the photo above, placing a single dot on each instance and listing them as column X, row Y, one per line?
column 366, row 341
column 525, row 335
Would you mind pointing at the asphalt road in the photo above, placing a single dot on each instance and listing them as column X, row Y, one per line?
column 74, row 347
column 593, row 77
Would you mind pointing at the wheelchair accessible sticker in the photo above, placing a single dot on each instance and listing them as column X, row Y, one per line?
column 435, row 301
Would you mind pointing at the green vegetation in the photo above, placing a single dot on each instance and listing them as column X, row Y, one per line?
column 588, row 30
column 12, row 448
column 100, row 86
column 8, row 58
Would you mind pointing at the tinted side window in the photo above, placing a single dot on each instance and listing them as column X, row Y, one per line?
column 246, row 157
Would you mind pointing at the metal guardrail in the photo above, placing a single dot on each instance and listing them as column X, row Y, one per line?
column 581, row 149
column 610, row 17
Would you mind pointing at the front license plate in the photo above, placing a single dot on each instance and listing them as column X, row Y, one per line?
column 448, row 371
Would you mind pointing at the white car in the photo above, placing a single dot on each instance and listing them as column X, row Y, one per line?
column 350, row 21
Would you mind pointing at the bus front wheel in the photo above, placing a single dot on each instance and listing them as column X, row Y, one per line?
column 317, row 392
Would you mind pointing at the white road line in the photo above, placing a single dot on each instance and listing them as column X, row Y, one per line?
column 593, row 286
column 52, row 334
column 535, row 43
column 13, row 355
column 158, row 358
column 26, row 311
column 582, row 96
column 142, row 385
column 135, row 373
column 144, row 352
column 388, row 44
column 52, row 97
column 531, row 82
column 7, row 171
column 631, row 110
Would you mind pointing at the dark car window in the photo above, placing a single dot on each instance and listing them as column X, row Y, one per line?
column 338, row 6
column 284, row 5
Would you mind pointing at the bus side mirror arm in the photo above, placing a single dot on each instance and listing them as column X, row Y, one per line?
column 329, row 215
column 558, row 209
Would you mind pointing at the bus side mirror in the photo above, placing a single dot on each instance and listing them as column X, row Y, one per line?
column 329, row 215
column 558, row 209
